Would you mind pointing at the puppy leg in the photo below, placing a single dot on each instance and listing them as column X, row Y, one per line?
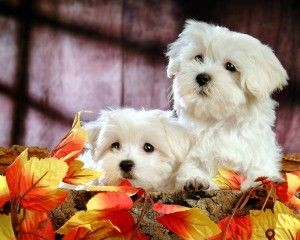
column 272, row 173
column 191, row 176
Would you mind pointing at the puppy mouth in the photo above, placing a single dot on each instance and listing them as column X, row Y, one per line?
column 127, row 175
column 203, row 92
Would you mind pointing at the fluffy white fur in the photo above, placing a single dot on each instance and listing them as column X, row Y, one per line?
column 233, row 114
column 132, row 129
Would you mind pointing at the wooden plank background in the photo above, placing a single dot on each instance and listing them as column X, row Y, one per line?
column 61, row 56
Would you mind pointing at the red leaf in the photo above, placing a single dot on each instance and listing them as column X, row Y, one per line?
column 238, row 229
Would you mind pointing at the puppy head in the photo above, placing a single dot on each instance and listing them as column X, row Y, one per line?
column 141, row 146
column 216, row 71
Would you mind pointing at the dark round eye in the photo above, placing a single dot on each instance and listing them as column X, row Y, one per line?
column 148, row 147
column 230, row 67
column 199, row 58
column 115, row 145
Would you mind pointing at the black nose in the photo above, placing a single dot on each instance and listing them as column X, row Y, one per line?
column 202, row 79
column 126, row 165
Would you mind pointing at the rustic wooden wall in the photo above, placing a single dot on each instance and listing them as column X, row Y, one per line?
column 61, row 56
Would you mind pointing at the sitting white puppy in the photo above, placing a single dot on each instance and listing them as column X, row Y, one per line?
column 145, row 147
column 222, row 86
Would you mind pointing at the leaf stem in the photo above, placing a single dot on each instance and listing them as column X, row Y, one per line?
column 14, row 216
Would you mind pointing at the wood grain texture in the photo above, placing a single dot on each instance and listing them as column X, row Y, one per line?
column 144, row 77
column 8, row 52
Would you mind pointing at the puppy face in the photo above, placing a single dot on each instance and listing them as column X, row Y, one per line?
column 136, row 145
column 217, row 71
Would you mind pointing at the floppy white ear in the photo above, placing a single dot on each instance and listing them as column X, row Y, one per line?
column 173, row 54
column 93, row 128
column 179, row 139
column 266, row 74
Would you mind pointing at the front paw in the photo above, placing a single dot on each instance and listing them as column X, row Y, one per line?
column 195, row 184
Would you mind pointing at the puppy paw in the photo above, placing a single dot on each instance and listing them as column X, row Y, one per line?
column 195, row 184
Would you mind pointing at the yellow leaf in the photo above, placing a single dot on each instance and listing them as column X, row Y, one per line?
column 4, row 191
column 6, row 230
column 77, row 175
column 227, row 179
column 281, row 208
column 287, row 227
column 89, row 220
column 263, row 223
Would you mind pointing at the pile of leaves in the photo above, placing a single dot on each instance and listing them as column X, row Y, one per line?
column 30, row 190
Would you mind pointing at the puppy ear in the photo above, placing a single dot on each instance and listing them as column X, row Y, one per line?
column 173, row 54
column 93, row 129
column 266, row 74
column 174, row 51
column 178, row 137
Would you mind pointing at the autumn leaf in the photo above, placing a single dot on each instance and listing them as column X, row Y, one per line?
column 124, row 187
column 72, row 144
column 109, row 207
column 286, row 191
column 70, row 147
column 110, row 201
column 78, row 175
column 6, row 230
column 114, row 206
column 33, row 182
column 86, row 223
column 113, row 223
column 4, row 191
column 287, row 225
column 238, row 229
column 36, row 226
column 99, row 231
column 227, row 179
column 187, row 223
column 263, row 224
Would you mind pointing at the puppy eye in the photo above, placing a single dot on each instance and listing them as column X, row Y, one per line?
column 148, row 147
column 199, row 58
column 230, row 67
column 115, row 145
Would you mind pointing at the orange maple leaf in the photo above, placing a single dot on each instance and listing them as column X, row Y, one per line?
column 70, row 147
column 33, row 182
column 36, row 226
column 72, row 144
column 187, row 223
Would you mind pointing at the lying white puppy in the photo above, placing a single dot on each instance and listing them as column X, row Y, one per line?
column 145, row 147
column 222, row 86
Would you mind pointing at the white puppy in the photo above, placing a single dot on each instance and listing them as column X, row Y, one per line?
column 145, row 147
column 222, row 86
